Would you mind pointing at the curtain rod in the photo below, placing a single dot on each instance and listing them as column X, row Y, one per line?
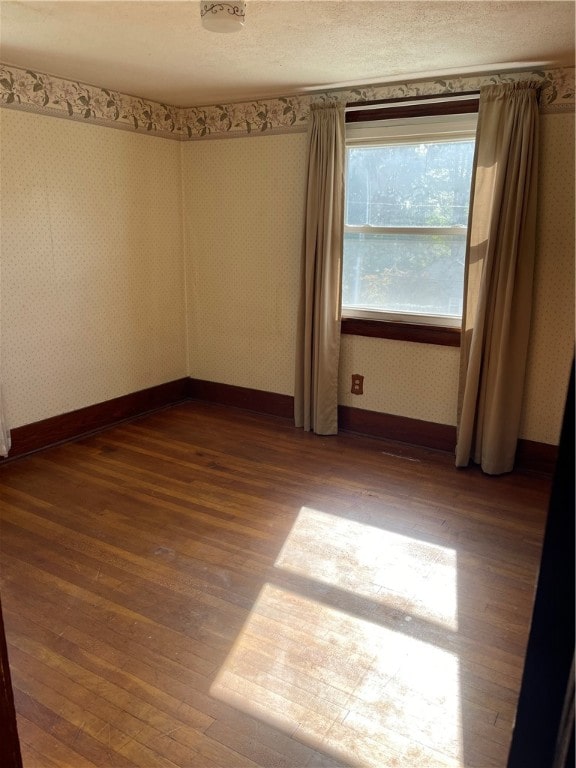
column 352, row 106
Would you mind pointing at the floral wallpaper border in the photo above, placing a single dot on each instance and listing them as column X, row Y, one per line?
column 45, row 94
column 34, row 91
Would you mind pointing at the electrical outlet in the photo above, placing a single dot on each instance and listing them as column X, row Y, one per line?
column 357, row 384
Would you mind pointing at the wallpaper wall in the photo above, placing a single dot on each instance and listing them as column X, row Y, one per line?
column 244, row 215
column 401, row 378
column 92, row 290
column 128, row 261
column 244, row 218
column 552, row 335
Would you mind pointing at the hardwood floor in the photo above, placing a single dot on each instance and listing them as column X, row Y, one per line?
column 208, row 587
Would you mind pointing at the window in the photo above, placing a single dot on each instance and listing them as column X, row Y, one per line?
column 406, row 217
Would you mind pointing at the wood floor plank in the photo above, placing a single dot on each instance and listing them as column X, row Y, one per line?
column 117, row 586
column 207, row 588
column 161, row 574
column 31, row 758
column 124, row 734
column 64, row 742
column 107, row 681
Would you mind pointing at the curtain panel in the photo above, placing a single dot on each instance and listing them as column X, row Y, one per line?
column 318, row 339
column 499, row 276
column 4, row 432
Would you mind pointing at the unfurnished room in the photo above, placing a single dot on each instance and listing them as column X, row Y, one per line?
column 287, row 384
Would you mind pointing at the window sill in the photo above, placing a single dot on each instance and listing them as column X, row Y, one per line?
column 383, row 329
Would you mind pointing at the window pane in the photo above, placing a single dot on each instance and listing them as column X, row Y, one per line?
column 420, row 274
column 415, row 185
column 409, row 185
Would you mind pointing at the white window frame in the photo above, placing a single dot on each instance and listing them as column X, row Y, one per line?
column 407, row 130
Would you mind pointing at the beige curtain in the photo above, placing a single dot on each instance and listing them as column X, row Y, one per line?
column 4, row 432
column 318, row 340
column 499, row 273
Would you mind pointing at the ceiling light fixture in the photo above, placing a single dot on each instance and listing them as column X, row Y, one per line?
column 223, row 17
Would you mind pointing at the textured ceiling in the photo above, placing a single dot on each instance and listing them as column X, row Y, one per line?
column 160, row 51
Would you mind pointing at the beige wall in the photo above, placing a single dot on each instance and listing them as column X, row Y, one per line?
column 244, row 214
column 401, row 378
column 244, row 209
column 552, row 335
column 242, row 199
column 93, row 283
column 92, row 265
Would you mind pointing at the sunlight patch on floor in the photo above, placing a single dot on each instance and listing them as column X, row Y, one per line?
column 412, row 575
column 358, row 688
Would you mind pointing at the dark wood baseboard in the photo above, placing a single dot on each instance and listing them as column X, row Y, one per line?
column 75, row 424
column 270, row 403
column 536, row 458
column 531, row 457
column 425, row 434
column 399, row 428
